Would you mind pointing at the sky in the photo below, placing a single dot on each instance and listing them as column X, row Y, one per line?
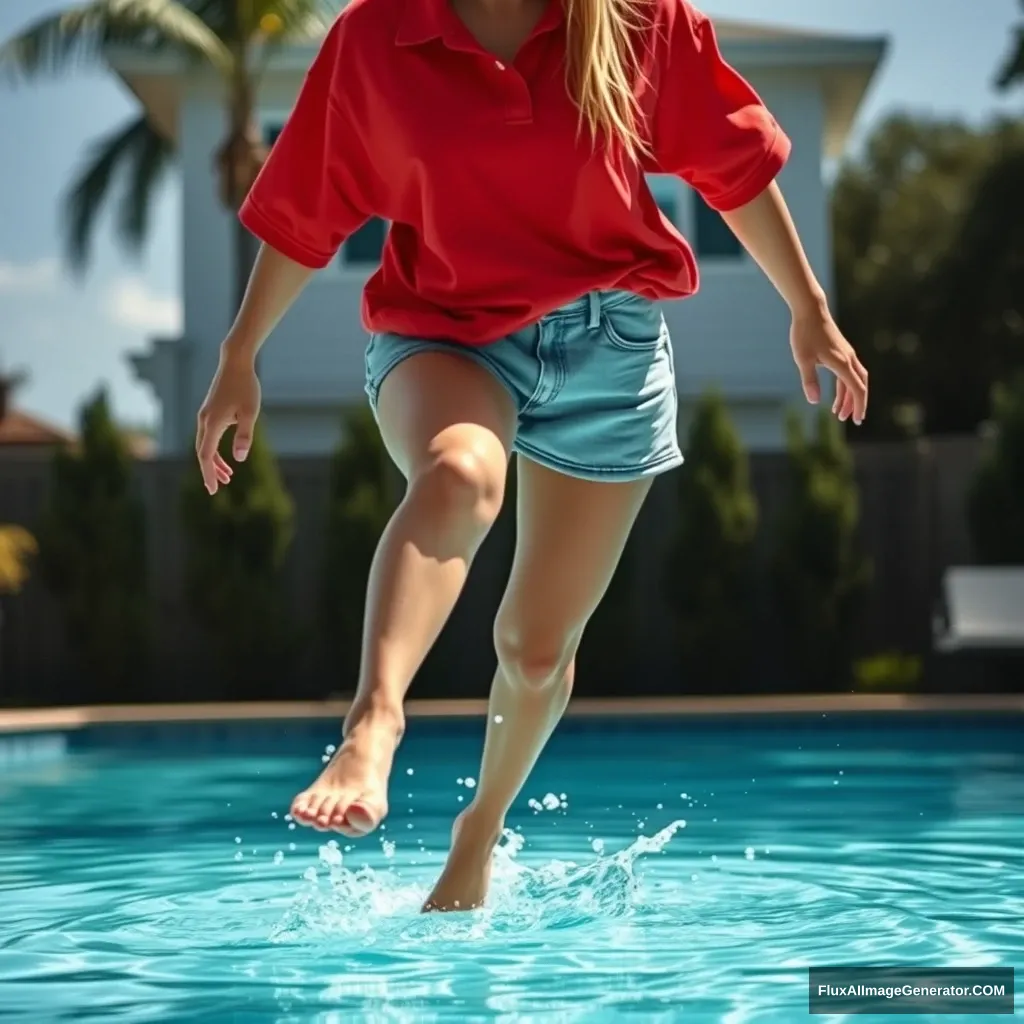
column 71, row 335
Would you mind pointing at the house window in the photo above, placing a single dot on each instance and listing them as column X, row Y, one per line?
column 665, row 190
column 361, row 249
column 711, row 235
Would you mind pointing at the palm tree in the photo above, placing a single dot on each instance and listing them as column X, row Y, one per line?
column 1012, row 70
column 233, row 37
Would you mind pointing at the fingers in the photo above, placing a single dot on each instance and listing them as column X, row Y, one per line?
column 852, row 381
column 243, row 435
column 207, row 442
column 809, row 380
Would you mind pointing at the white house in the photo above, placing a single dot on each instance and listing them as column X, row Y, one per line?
column 732, row 335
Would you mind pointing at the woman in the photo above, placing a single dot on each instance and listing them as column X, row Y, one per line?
column 514, row 310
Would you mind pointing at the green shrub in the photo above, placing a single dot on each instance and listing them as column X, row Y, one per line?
column 820, row 575
column 710, row 571
column 897, row 672
column 995, row 503
column 359, row 506
column 92, row 556
column 236, row 545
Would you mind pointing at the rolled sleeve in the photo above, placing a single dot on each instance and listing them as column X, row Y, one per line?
column 313, row 190
column 710, row 127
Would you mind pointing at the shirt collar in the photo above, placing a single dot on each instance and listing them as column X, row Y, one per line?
column 424, row 20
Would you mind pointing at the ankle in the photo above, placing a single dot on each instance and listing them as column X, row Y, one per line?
column 481, row 823
column 375, row 714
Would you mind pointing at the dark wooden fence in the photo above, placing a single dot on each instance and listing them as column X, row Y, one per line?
column 912, row 500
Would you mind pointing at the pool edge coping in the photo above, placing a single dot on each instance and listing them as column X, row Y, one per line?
column 18, row 720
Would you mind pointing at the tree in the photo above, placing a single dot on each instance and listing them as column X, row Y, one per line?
column 710, row 572
column 819, row 573
column 92, row 556
column 1011, row 71
column 995, row 503
column 897, row 211
column 975, row 331
column 359, row 506
column 237, row 543
column 233, row 37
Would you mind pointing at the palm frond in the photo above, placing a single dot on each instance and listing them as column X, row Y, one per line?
column 134, row 154
column 79, row 37
column 1012, row 71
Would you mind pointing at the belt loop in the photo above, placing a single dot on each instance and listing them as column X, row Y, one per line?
column 595, row 311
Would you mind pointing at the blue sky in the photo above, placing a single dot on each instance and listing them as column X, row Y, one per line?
column 71, row 336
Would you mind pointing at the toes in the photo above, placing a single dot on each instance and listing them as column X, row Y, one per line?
column 300, row 809
column 361, row 818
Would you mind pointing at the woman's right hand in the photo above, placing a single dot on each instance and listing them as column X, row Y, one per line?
column 233, row 399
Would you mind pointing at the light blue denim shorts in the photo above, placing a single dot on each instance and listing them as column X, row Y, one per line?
column 593, row 382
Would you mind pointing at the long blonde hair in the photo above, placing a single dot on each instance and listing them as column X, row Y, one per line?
column 601, row 69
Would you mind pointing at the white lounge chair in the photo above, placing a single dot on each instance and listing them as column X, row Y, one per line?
column 983, row 609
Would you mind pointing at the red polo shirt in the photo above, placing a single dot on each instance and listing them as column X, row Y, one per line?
column 500, row 209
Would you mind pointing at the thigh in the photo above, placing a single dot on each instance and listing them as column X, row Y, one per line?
column 571, row 534
column 435, row 402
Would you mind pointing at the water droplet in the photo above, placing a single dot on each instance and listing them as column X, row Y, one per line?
column 499, row 719
column 291, row 826
column 693, row 878
column 291, row 846
column 330, row 748
column 408, row 771
column 714, row 858
column 659, row 807
column 238, row 839
column 470, row 783
column 279, row 857
column 273, row 814
column 309, row 874
column 409, row 825
column 238, row 856
column 597, row 845
column 388, row 847
column 460, row 798
column 749, row 853
column 288, row 817
column 550, row 801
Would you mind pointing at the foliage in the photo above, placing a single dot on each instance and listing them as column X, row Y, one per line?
column 232, row 38
column 237, row 544
column 17, row 548
column 359, row 506
column 709, row 583
column 899, row 210
column 892, row 671
column 92, row 555
column 1011, row 71
column 819, row 574
column 995, row 504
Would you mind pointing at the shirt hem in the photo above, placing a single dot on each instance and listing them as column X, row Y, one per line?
column 767, row 171
column 269, row 233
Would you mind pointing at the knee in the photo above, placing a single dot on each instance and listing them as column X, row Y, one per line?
column 462, row 485
column 534, row 661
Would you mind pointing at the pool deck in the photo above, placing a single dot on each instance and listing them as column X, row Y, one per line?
column 70, row 718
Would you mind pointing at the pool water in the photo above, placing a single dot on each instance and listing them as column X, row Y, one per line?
column 654, row 871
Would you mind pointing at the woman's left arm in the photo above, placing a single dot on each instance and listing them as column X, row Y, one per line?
column 766, row 230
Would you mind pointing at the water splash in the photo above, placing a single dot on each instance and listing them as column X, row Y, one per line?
column 381, row 906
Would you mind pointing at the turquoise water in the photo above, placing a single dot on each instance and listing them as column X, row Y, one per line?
column 655, row 871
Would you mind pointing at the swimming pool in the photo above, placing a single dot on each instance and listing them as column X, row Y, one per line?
column 662, row 870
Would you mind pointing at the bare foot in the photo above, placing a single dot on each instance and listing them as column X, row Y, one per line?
column 351, row 794
column 466, row 876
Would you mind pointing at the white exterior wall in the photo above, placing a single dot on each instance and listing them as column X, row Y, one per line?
column 732, row 335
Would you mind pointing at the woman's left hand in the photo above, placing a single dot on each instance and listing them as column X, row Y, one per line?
column 817, row 341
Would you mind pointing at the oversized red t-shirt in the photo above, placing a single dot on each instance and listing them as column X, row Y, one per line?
column 500, row 208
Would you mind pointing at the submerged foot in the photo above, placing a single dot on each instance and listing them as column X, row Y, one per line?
column 466, row 876
column 351, row 794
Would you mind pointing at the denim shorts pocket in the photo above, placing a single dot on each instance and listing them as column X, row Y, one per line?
column 635, row 325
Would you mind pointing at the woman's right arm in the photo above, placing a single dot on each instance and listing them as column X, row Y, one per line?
column 274, row 285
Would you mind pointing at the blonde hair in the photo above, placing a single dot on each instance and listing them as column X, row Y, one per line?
column 601, row 69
